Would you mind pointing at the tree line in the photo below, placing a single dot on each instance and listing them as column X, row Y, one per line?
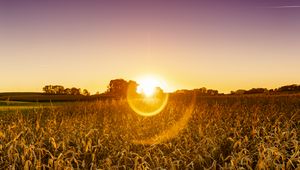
column 199, row 91
column 294, row 88
column 118, row 88
column 58, row 89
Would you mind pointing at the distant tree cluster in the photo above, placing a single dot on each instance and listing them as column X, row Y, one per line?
column 289, row 88
column 284, row 89
column 58, row 89
column 251, row 91
column 200, row 91
column 118, row 87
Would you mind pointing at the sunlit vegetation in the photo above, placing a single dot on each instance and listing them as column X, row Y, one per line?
column 225, row 131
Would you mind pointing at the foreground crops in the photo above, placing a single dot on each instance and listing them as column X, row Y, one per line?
column 229, row 132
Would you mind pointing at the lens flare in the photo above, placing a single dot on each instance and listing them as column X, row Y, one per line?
column 147, row 99
column 173, row 131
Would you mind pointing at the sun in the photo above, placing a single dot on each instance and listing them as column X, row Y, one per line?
column 147, row 86
column 151, row 99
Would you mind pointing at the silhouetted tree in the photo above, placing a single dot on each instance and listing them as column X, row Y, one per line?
column 56, row 89
column 118, row 87
column 256, row 91
column 289, row 88
column 200, row 91
column 239, row 92
column 85, row 92
column 48, row 89
column 133, row 84
column 212, row 92
column 75, row 91
column 67, row 91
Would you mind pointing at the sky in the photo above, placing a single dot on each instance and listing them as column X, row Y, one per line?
column 223, row 45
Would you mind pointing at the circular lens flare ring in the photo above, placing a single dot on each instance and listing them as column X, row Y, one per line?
column 145, row 99
column 173, row 130
column 137, row 108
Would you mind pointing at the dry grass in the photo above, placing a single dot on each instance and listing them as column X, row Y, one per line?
column 223, row 132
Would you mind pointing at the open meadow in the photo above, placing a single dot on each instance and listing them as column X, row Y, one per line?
column 230, row 132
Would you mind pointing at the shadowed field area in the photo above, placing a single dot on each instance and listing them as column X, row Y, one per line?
column 42, row 97
column 224, row 131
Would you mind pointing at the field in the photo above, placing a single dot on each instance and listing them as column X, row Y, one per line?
column 42, row 97
column 214, row 132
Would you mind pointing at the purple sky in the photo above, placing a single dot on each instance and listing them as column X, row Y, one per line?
column 223, row 45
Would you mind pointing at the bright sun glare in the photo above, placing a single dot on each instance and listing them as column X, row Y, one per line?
column 147, row 86
column 151, row 101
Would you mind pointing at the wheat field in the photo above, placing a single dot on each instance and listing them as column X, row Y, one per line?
column 223, row 132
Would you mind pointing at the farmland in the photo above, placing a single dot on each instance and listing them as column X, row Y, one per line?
column 255, row 131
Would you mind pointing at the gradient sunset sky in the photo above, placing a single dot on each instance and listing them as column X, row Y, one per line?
column 224, row 45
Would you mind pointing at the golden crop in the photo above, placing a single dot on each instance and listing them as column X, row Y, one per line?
column 250, row 132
